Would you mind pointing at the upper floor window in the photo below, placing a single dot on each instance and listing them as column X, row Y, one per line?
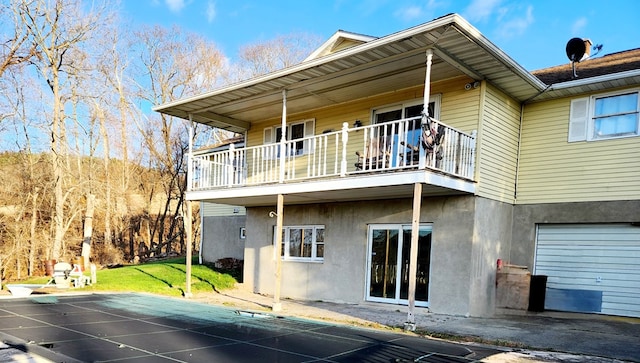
column 295, row 131
column 406, row 110
column 605, row 117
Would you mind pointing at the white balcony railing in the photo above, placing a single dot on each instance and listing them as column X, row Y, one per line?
column 390, row 146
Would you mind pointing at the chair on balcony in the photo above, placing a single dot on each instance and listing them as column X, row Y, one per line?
column 376, row 155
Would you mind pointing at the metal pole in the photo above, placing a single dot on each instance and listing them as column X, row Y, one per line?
column 413, row 255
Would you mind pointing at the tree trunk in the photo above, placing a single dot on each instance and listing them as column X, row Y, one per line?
column 108, row 203
column 88, row 230
column 56, row 147
column 32, row 232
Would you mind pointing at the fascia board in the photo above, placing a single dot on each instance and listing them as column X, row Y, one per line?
column 594, row 80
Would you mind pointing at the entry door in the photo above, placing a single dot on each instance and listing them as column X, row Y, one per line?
column 388, row 264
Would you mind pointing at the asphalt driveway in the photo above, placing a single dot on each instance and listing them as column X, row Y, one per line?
column 145, row 328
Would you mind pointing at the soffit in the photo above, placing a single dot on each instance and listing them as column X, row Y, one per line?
column 382, row 65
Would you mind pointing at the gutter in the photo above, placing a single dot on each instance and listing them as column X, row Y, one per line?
column 597, row 79
column 475, row 36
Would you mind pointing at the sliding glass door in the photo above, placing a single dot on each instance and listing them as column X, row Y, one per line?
column 389, row 248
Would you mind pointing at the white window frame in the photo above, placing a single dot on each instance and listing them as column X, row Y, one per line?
column 286, row 240
column 270, row 135
column 435, row 98
column 582, row 117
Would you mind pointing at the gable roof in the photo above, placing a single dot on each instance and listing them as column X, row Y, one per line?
column 339, row 40
column 381, row 65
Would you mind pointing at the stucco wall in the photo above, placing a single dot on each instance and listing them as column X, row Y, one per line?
column 527, row 216
column 492, row 240
column 462, row 255
column 222, row 237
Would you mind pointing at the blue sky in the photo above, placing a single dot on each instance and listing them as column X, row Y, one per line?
column 534, row 33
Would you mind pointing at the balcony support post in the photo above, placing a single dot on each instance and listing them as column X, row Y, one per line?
column 277, row 305
column 345, row 140
column 425, row 107
column 283, row 139
column 190, row 156
column 186, row 217
column 413, row 255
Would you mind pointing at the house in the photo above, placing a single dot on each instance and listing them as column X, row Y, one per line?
column 222, row 225
column 356, row 192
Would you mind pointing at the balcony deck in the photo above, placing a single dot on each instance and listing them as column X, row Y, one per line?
column 370, row 156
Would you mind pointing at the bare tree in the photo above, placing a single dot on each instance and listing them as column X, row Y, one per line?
column 16, row 48
column 281, row 52
column 174, row 65
column 56, row 29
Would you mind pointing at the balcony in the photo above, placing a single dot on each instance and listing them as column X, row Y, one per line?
column 391, row 147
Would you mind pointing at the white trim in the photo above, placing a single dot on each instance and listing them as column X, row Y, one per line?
column 587, row 122
column 435, row 98
column 592, row 80
column 340, row 34
column 314, row 243
column 365, row 181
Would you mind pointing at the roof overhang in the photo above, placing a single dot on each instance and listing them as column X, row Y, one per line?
column 590, row 85
column 381, row 65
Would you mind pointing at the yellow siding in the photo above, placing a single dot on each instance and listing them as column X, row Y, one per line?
column 459, row 109
column 554, row 170
column 497, row 146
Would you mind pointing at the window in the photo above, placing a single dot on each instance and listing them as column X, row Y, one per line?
column 295, row 131
column 406, row 110
column 302, row 243
column 406, row 133
column 604, row 117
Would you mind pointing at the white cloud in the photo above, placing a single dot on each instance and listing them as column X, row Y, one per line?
column 578, row 26
column 409, row 13
column 424, row 13
column 516, row 26
column 175, row 5
column 211, row 11
column 480, row 10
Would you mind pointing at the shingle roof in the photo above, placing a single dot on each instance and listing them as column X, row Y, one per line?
column 608, row 64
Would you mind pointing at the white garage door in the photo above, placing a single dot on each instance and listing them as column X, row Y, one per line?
column 591, row 268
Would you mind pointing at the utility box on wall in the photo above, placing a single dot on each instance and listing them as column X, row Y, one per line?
column 512, row 287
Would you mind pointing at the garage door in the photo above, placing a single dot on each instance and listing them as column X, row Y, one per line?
column 591, row 268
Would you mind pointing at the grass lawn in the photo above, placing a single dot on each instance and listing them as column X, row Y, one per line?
column 165, row 277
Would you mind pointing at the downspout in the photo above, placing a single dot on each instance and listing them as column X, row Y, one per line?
column 522, row 104
column 515, row 186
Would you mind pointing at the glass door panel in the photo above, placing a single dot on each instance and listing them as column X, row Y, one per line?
column 384, row 256
column 422, row 272
column 389, row 251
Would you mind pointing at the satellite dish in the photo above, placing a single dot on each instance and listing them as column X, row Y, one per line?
column 576, row 49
